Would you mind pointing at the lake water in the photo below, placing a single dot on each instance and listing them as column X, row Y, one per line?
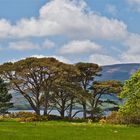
column 53, row 112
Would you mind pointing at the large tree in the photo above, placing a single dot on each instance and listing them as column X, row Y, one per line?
column 88, row 72
column 131, row 95
column 5, row 98
column 103, row 92
column 66, row 90
column 32, row 77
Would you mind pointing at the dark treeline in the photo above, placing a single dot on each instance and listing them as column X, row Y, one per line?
column 49, row 84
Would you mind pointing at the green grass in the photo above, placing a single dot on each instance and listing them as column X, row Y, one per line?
column 66, row 131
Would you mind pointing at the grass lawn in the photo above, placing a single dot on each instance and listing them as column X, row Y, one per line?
column 66, row 131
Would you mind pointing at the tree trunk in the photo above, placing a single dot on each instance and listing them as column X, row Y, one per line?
column 37, row 111
column 92, row 114
column 70, row 109
column 84, row 110
column 46, row 100
column 62, row 113
column 92, row 109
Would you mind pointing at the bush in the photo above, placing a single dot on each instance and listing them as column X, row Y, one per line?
column 102, row 121
column 114, row 118
column 54, row 117
column 119, row 118
column 28, row 117
column 130, row 119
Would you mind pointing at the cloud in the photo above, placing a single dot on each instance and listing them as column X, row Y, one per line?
column 70, row 18
column 48, row 44
column 23, row 45
column 74, row 20
column 5, row 28
column 103, row 59
column 128, row 58
column 111, row 9
column 80, row 47
column 130, row 55
column 132, row 45
column 135, row 4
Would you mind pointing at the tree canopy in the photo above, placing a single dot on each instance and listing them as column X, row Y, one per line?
column 131, row 95
column 47, row 84
column 5, row 98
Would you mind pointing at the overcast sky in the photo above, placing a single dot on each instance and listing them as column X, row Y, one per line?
column 98, row 31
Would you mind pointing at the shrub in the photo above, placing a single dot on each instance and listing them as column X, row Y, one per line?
column 119, row 118
column 102, row 121
column 28, row 117
column 130, row 118
column 114, row 118
column 54, row 117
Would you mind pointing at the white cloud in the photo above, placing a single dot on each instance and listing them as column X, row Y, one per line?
column 129, row 58
column 5, row 28
column 111, row 9
column 47, row 44
column 135, row 4
column 80, row 47
column 74, row 19
column 103, row 59
column 69, row 18
column 23, row 45
column 132, row 45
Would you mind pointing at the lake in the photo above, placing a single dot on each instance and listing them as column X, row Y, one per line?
column 53, row 112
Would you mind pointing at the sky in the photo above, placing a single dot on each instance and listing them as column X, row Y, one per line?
column 97, row 31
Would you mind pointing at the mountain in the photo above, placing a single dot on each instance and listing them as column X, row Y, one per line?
column 120, row 72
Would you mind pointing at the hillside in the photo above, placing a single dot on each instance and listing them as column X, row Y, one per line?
column 119, row 71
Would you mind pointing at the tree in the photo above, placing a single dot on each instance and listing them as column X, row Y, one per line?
column 131, row 95
column 100, row 92
column 5, row 98
column 52, row 71
column 65, row 90
column 32, row 78
column 88, row 72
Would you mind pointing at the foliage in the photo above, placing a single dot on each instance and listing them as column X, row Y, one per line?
column 49, row 84
column 33, row 78
column 66, row 91
column 5, row 98
column 28, row 117
column 131, row 95
column 100, row 89
column 88, row 72
column 115, row 118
